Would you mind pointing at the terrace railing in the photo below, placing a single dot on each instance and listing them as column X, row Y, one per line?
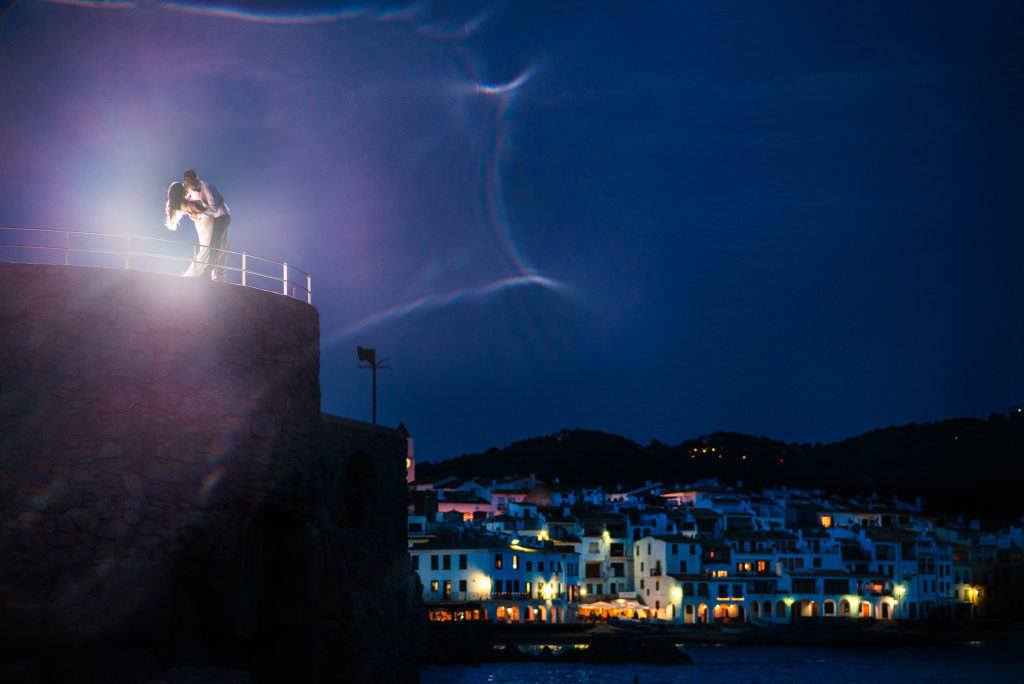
column 145, row 253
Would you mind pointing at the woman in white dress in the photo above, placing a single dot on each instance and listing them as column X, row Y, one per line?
column 177, row 206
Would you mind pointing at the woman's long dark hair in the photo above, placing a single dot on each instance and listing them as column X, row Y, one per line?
column 175, row 198
column 172, row 210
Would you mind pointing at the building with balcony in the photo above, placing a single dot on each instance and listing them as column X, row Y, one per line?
column 710, row 554
column 498, row 579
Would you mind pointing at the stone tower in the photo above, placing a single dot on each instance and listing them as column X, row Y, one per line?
column 172, row 500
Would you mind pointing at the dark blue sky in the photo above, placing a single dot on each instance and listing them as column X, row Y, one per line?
column 799, row 220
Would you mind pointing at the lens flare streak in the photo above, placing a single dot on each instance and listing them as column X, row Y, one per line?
column 439, row 301
column 510, row 86
column 409, row 13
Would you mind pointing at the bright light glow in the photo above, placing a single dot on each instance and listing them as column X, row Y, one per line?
column 677, row 593
column 788, row 600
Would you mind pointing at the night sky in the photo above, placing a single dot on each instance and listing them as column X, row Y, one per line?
column 797, row 220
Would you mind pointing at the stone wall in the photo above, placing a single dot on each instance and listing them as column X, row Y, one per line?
column 171, row 496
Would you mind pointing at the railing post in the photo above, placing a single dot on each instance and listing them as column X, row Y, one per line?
column 67, row 247
column 309, row 290
column 244, row 266
column 284, row 284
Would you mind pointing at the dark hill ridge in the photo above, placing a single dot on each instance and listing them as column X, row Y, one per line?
column 963, row 466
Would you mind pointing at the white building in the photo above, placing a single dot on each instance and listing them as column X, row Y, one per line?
column 658, row 560
column 497, row 579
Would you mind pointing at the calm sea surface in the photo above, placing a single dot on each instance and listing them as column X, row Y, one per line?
column 994, row 662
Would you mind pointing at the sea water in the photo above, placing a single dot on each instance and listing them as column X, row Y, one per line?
column 982, row 661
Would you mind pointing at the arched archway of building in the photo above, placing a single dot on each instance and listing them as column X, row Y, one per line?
column 755, row 609
column 702, row 613
column 865, row 609
column 508, row 614
column 828, row 608
column 844, row 608
column 729, row 612
column 811, row 609
column 689, row 616
column 767, row 610
column 885, row 610
column 780, row 609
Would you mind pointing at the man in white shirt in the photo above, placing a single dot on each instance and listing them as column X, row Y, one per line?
column 213, row 222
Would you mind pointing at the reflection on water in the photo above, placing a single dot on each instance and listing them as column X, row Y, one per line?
column 977, row 661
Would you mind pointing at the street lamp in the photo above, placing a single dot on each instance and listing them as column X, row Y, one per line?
column 899, row 590
column 370, row 356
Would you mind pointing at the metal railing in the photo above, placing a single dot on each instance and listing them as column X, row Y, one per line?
column 108, row 250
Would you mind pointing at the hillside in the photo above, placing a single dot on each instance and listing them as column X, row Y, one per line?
column 962, row 466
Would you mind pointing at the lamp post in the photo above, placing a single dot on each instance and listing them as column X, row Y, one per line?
column 370, row 356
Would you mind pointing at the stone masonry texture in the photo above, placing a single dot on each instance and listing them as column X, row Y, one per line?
column 173, row 505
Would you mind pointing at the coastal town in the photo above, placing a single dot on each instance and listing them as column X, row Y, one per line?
column 518, row 550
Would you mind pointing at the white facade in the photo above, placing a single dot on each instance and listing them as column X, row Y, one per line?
column 505, row 581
